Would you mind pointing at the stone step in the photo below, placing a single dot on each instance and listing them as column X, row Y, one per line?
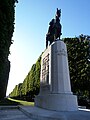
column 43, row 114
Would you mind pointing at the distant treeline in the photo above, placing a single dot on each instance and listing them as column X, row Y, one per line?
column 31, row 84
column 79, row 65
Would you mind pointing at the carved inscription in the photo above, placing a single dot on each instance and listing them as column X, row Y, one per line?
column 61, row 52
column 45, row 69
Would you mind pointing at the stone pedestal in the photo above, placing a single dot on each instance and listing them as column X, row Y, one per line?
column 55, row 90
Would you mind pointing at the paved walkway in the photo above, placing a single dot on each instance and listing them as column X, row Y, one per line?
column 28, row 112
column 12, row 113
column 43, row 114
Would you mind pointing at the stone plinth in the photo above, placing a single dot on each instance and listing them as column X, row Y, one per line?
column 55, row 89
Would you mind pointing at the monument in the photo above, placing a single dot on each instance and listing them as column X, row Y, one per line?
column 55, row 100
column 55, row 89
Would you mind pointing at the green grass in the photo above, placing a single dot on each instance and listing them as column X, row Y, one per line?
column 20, row 102
column 10, row 102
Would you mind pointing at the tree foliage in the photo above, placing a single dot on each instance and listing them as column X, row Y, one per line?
column 7, row 12
column 31, row 84
column 79, row 65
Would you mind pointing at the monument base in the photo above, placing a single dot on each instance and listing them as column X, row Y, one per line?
column 57, row 102
column 36, row 113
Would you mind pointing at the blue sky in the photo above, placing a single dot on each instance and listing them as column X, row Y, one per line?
column 32, row 19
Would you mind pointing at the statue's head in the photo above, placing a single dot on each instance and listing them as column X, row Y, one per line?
column 58, row 13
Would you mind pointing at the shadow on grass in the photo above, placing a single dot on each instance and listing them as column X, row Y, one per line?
column 7, row 102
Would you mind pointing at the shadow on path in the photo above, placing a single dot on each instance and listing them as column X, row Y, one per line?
column 7, row 102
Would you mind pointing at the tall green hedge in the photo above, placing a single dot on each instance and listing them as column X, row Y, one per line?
column 7, row 12
column 79, row 64
column 31, row 84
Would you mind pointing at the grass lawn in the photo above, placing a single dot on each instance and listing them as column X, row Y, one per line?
column 10, row 102
column 20, row 102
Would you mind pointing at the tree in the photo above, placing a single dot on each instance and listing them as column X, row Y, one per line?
column 79, row 65
column 17, row 93
column 31, row 84
column 7, row 12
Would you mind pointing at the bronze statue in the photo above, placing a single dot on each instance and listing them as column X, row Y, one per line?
column 54, row 30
